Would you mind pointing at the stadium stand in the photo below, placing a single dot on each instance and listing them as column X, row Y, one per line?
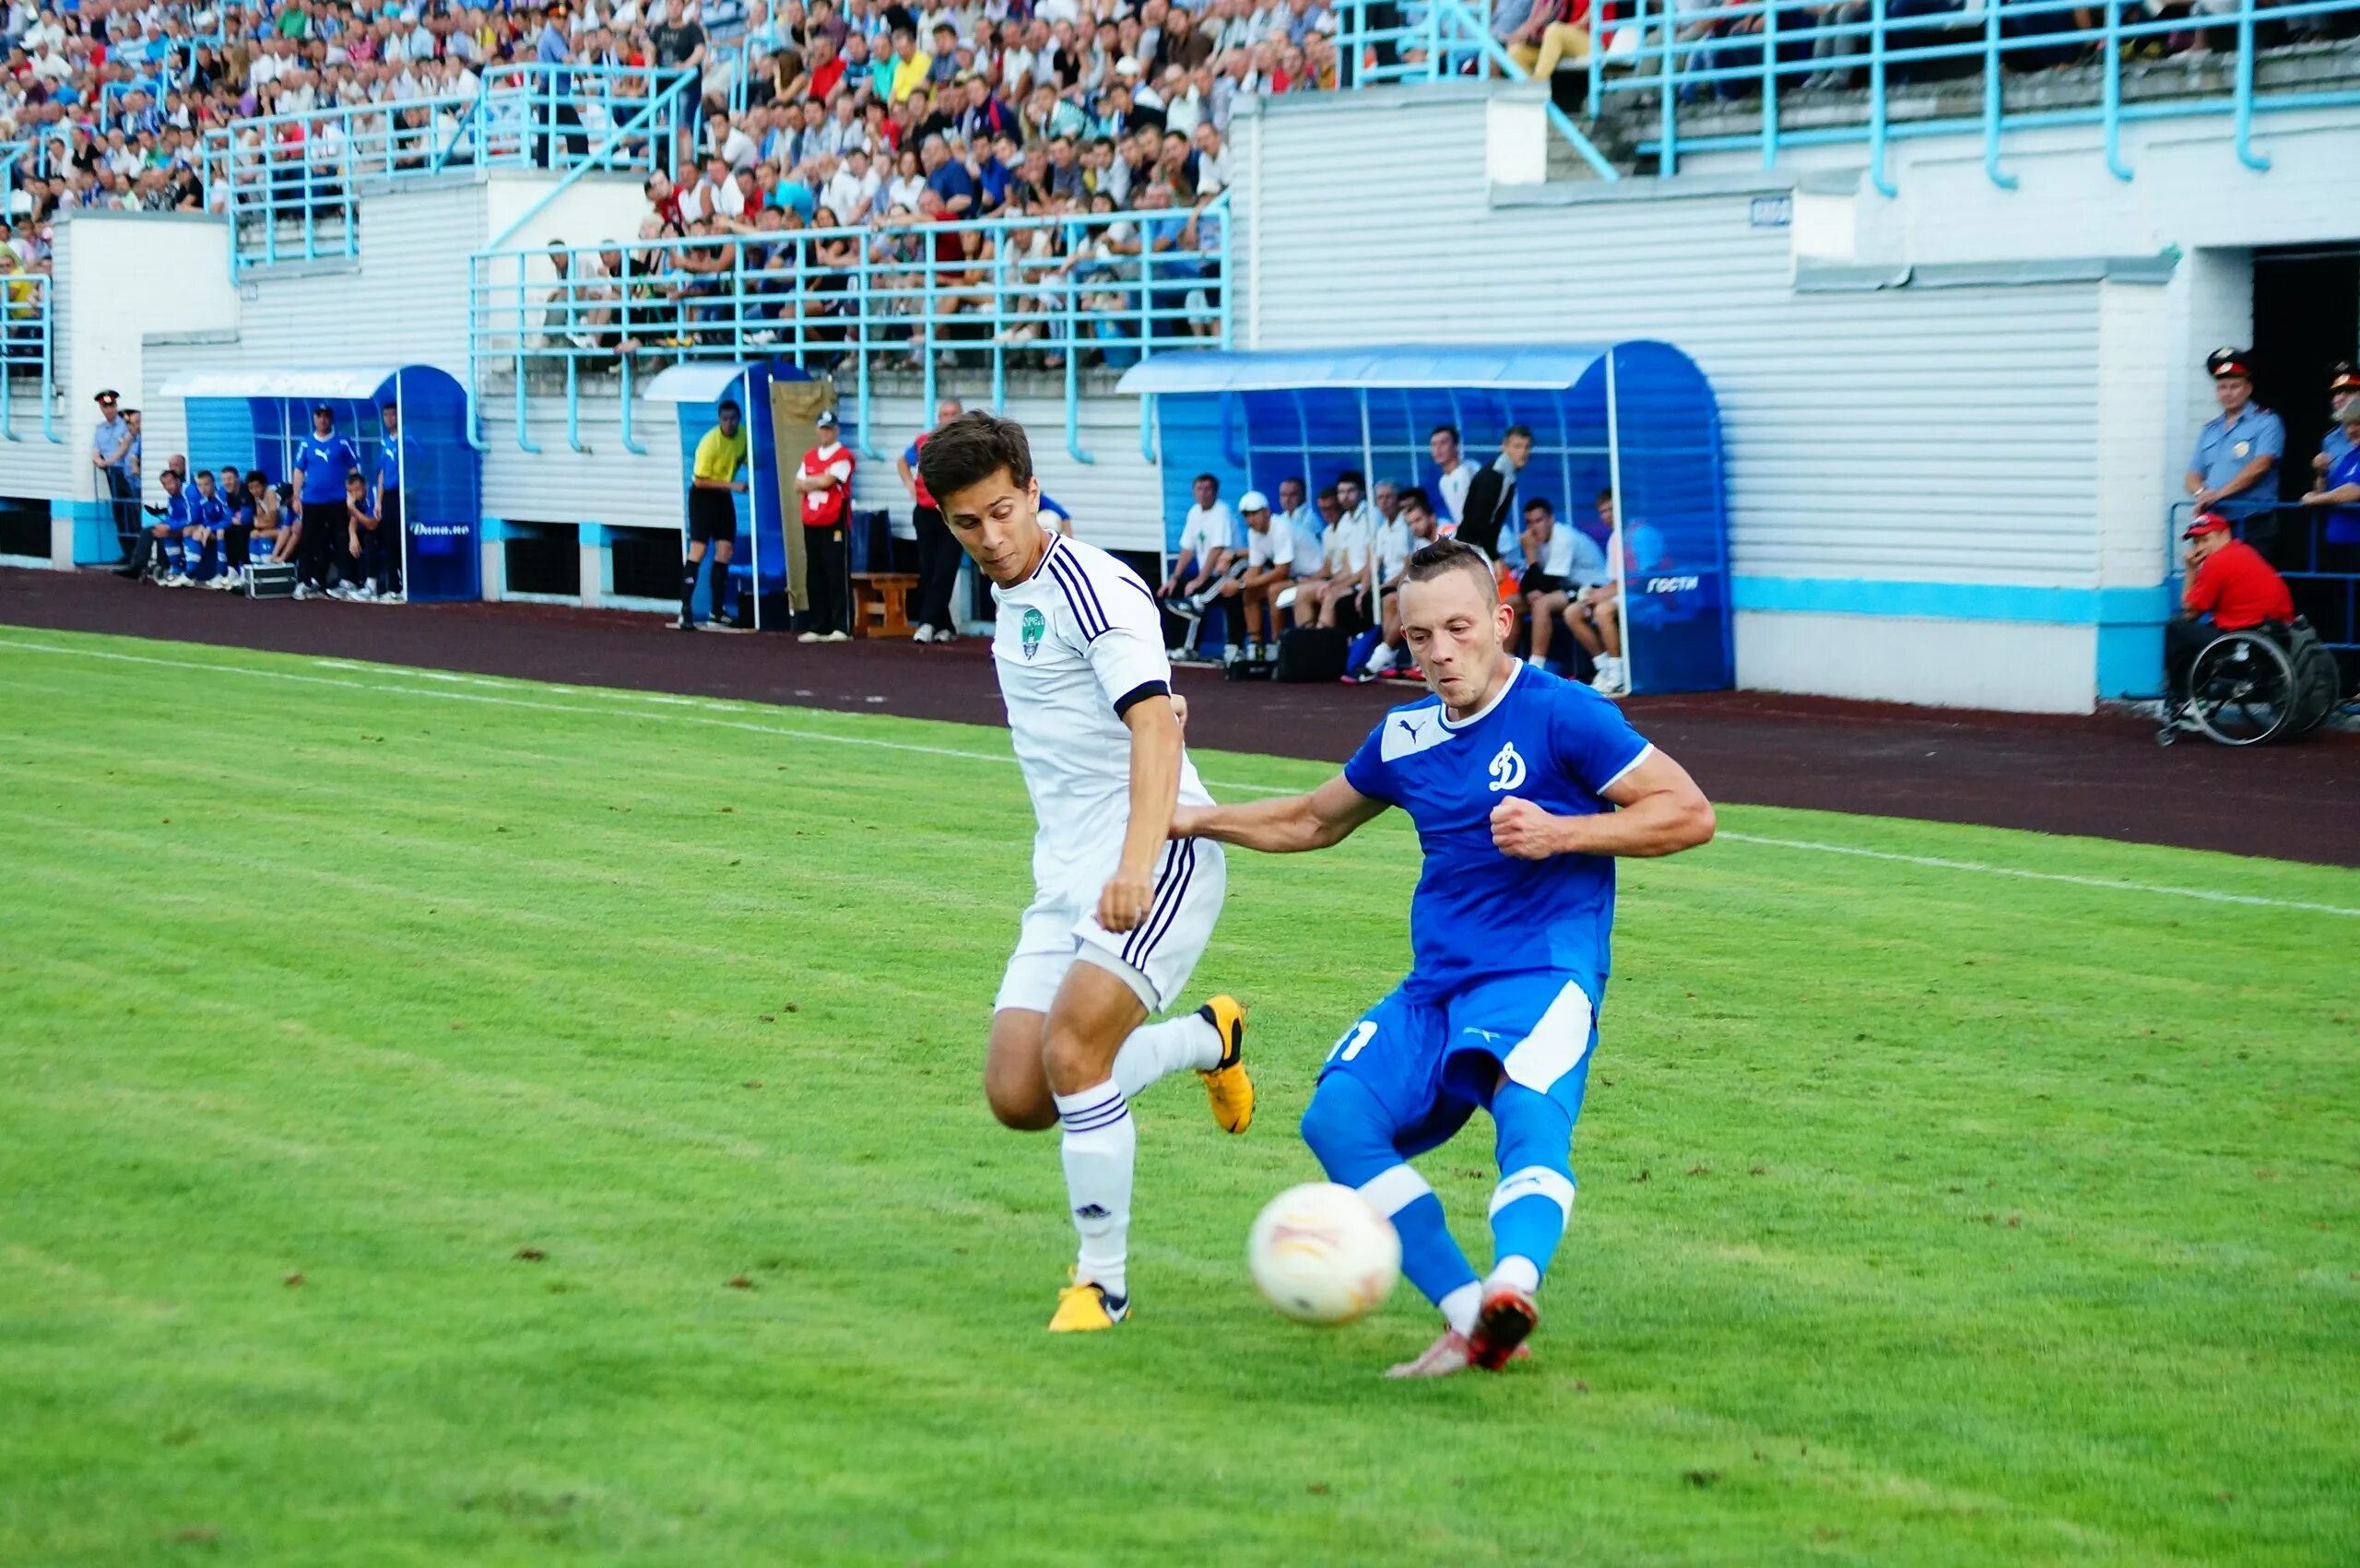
column 1023, row 202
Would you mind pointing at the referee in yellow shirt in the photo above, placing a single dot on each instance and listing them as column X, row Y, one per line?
column 714, row 487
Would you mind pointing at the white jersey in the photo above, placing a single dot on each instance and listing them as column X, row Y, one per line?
column 1347, row 542
column 1395, row 546
column 1076, row 644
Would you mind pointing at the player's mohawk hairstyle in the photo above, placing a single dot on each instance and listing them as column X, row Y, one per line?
column 1446, row 555
column 971, row 449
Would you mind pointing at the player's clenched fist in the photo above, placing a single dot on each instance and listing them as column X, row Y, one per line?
column 1521, row 829
column 1123, row 903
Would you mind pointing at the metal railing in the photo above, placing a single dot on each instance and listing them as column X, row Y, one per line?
column 288, row 182
column 1883, row 61
column 1380, row 42
column 1022, row 292
column 28, row 351
column 1771, row 53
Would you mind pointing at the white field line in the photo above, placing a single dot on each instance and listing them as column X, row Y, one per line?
column 667, row 708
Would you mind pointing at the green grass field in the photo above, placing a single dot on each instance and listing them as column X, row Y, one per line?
column 448, row 1121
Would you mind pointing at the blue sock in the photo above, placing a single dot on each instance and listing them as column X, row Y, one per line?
column 1535, row 1197
column 178, row 555
column 1352, row 1137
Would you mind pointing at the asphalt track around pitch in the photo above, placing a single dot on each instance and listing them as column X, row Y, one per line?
column 2100, row 776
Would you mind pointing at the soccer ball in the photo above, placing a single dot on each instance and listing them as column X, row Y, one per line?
column 1322, row 1254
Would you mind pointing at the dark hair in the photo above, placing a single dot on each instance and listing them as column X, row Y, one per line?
column 1605, row 495
column 1208, row 479
column 1450, row 431
column 1328, row 492
column 1514, row 430
column 971, row 449
column 1416, row 496
column 1539, row 503
column 729, row 405
column 1446, row 555
column 1355, row 475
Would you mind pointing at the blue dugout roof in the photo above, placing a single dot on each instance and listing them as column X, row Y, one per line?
column 1636, row 417
column 1553, row 366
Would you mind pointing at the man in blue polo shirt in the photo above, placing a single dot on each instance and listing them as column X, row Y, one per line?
column 2235, row 469
column 393, row 454
column 321, row 516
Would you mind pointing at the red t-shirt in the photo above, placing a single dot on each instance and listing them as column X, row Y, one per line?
column 824, row 79
column 2239, row 588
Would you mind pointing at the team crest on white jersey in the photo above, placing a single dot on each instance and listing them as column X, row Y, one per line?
column 1507, row 770
column 1034, row 627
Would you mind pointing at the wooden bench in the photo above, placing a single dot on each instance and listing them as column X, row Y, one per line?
column 881, row 603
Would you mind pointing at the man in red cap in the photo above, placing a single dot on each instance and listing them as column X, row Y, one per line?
column 2230, row 588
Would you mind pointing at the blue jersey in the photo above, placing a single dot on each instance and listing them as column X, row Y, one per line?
column 324, row 460
column 393, row 461
column 178, row 512
column 1478, row 912
column 207, row 511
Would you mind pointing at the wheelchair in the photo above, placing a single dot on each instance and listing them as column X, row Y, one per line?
column 2248, row 687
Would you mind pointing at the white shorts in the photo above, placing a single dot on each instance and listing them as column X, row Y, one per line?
column 1154, row 960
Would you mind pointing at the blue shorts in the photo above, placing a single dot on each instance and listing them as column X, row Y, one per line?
column 1429, row 1064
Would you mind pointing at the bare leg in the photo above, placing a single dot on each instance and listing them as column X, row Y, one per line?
column 1546, row 610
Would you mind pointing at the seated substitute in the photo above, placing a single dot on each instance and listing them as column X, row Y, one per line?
column 1208, row 544
column 1414, row 528
column 2230, row 588
column 1256, row 581
column 1562, row 561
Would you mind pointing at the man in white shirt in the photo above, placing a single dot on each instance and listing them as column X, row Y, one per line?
column 1344, row 599
column 1121, row 909
column 726, row 142
column 1411, row 530
column 1254, row 587
column 852, row 189
column 1213, row 161
column 1457, row 473
column 1208, row 545
column 715, row 195
column 1561, row 560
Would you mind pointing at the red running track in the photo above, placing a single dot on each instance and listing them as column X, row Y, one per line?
column 2099, row 776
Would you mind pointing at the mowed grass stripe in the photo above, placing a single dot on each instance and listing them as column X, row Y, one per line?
column 1839, row 1358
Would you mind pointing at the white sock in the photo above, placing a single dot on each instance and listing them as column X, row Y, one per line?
column 1520, row 1272
column 1100, row 1141
column 1459, row 1307
column 1156, row 1051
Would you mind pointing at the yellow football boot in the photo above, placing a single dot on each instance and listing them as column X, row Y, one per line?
column 1086, row 1308
column 1226, row 1085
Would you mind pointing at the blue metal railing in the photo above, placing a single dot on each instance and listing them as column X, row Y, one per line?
column 1776, row 54
column 288, row 181
column 1020, row 291
column 28, row 351
column 1380, row 43
column 1773, row 53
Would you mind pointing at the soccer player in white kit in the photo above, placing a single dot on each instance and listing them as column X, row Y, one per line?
column 1119, row 916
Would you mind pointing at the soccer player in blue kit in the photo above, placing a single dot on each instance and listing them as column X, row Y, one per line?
column 1524, row 787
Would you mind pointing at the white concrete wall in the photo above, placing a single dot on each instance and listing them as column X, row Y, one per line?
column 128, row 275
column 2011, row 665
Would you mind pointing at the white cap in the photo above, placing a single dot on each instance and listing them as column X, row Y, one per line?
column 1127, row 66
column 1253, row 500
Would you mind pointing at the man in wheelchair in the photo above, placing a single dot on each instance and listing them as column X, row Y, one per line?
column 2232, row 589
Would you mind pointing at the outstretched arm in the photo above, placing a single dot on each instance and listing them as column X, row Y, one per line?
column 1659, row 811
column 1155, row 785
column 1326, row 815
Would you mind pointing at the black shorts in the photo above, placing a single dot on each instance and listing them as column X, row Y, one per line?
column 1541, row 583
column 712, row 514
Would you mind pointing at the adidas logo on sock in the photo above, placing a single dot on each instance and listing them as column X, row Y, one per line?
column 1090, row 1211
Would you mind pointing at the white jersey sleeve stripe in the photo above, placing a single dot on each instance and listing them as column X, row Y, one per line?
column 1080, row 597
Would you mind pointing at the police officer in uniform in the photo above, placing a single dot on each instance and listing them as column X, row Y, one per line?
column 2234, row 470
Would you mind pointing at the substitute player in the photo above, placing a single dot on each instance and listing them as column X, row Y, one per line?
column 1121, row 911
column 1524, row 787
